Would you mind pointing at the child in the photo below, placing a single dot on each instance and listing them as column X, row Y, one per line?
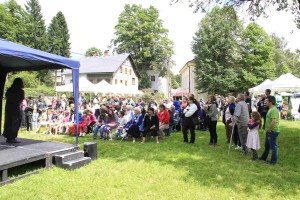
column 111, row 123
column 253, row 138
column 122, row 123
column 82, row 127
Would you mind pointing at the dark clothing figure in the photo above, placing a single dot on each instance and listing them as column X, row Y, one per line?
column 148, row 123
column 28, row 115
column 13, row 113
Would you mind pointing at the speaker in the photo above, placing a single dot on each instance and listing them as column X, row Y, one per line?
column 90, row 150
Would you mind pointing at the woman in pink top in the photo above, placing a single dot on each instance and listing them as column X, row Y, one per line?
column 93, row 120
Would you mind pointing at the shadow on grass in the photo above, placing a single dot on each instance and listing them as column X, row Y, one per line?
column 212, row 166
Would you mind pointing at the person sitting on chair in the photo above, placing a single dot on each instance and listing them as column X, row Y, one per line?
column 136, row 124
column 151, row 125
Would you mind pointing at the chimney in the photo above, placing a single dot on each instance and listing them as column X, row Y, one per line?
column 106, row 53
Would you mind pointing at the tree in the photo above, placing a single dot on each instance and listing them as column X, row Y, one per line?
column 58, row 36
column 144, row 81
column 293, row 62
column 140, row 32
column 178, row 79
column 255, row 8
column 13, row 24
column 216, row 51
column 93, row 50
column 279, row 56
column 257, row 63
column 38, row 36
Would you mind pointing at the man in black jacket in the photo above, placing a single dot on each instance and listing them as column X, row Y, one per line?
column 151, row 125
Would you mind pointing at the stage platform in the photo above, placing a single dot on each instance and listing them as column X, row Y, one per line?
column 26, row 152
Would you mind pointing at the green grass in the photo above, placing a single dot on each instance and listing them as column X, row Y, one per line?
column 169, row 170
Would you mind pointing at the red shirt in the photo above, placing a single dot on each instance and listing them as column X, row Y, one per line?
column 164, row 117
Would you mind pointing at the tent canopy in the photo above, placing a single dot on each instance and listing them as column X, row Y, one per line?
column 284, row 83
column 260, row 87
column 84, row 86
column 16, row 57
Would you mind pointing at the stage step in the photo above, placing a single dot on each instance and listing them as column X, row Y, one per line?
column 71, row 160
column 74, row 164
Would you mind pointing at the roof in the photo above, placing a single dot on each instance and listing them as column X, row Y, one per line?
column 189, row 63
column 104, row 64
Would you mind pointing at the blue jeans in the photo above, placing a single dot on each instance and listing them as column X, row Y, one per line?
column 101, row 127
column 271, row 142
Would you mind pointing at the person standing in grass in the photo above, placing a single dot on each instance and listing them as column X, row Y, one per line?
column 272, row 127
column 253, row 141
column 241, row 118
column 190, row 112
column 212, row 112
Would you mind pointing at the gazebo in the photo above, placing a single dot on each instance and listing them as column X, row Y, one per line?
column 16, row 57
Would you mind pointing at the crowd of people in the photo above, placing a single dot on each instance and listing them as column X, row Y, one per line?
column 123, row 118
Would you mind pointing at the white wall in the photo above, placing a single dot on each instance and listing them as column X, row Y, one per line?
column 126, row 77
column 160, row 84
column 68, row 77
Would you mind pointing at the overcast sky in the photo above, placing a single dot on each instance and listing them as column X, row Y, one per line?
column 91, row 23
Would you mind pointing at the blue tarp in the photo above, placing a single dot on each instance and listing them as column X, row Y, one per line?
column 16, row 57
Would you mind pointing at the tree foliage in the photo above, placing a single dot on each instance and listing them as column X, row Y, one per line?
column 255, row 8
column 217, row 51
column 13, row 22
column 58, row 36
column 279, row 56
column 257, row 63
column 93, row 50
column 140, row 32
column 38, row 37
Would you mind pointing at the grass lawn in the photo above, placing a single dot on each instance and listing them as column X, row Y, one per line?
column 169, row 170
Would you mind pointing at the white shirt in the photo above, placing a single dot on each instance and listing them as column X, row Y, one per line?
column 190, row 110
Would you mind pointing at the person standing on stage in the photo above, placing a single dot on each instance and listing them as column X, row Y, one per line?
column 13, row 114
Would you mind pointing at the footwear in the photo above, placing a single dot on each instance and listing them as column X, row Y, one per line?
column 14, row 140
column 157, row 142
column 244, row 152
column 133, row 141
column 270, row 163
column 95, row 138
column 83, row 134
column 237, row 147
column 210, row 143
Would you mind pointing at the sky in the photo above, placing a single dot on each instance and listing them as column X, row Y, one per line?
column 91, row 23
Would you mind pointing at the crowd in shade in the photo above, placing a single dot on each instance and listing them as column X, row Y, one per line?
column 123, row 118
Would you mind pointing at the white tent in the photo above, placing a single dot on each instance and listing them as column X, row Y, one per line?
column 260, row 87
column 84, row 86
column 104, row 87
column 286, row 82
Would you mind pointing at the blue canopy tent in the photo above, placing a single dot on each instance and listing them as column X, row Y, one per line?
column 16, row 57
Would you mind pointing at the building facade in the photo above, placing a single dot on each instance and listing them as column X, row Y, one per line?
column 117, row 70
column 189, row 80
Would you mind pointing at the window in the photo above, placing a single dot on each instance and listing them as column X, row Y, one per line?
column 133, row 81
column 121, row 81
column 153, row 78
column 116, row 81
column 121, row 70
column 129, row 71
column 125, row 70
column 125, row 83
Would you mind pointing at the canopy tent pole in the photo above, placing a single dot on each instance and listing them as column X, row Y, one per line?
column 3, row 75
column 75, row 76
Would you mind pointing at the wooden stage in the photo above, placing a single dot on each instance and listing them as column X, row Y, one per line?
column 26, row 152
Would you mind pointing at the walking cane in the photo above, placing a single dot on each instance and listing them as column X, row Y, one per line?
column 231, row 137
